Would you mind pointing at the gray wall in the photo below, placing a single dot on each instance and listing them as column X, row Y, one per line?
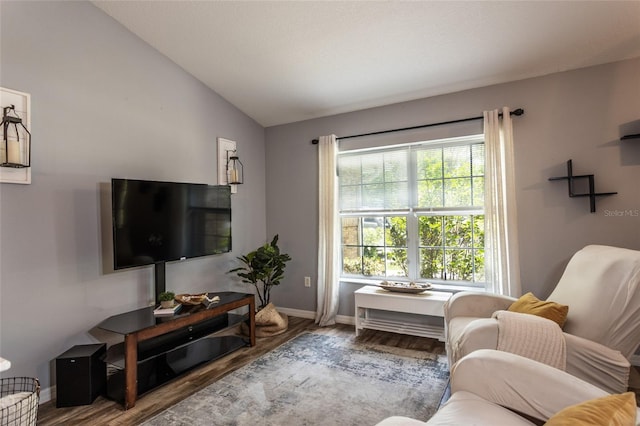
column 577, row 115
column 104, row 104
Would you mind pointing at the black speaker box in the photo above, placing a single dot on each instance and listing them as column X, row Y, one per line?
column 81, row 375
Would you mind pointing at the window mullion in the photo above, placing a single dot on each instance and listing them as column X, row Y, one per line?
column 412, row 246
column 412, row 220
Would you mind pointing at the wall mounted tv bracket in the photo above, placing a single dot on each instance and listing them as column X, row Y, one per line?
column 591, row 194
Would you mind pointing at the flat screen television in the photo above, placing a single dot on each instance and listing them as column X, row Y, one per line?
column 157, row 222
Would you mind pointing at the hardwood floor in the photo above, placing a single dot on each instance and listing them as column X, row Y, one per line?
column 106, row 412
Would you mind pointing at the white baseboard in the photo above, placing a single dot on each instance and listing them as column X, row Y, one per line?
column 297, row 313
column 341, row 319
column 47, row 394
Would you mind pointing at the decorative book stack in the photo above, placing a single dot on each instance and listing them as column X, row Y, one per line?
column 163, row 312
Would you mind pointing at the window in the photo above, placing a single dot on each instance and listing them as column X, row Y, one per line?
column 414, row 211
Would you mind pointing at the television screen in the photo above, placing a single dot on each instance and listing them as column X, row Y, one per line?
column 163, row 221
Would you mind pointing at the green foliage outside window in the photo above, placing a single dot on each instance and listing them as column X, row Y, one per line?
column 450, row 246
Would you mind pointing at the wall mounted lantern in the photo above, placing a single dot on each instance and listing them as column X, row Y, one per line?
column 230, row 169
column 16, row 140
column 235, row 169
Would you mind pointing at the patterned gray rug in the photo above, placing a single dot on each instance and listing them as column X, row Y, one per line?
column 316, row 379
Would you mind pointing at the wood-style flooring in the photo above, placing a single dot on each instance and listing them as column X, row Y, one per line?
column 109, row 413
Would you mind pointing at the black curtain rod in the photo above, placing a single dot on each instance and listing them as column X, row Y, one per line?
column 516, row 112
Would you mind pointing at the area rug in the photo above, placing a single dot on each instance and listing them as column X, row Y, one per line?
column 318, row 379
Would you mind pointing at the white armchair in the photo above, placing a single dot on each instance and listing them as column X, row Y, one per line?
column 601, row 286
column 490, row 387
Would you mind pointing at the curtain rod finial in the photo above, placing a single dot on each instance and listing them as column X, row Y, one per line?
column 518, row 112
column 315, row 141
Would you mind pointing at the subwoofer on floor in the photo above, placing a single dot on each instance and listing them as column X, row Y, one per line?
column 81, row 375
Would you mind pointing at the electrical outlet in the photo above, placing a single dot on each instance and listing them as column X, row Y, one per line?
column 307, row 281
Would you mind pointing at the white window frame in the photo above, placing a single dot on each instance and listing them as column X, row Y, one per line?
column 412, row 213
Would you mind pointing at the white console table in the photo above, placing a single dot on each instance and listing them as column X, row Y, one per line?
column 374, row 298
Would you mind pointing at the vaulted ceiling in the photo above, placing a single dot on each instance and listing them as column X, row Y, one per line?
column 286, row 61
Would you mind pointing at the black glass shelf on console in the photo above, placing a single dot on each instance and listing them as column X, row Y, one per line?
column 174, row 344
column 160, row 345
column 134, row 321
column 157, row 349
column 165, row 367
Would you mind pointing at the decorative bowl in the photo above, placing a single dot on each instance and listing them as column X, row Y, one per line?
column 191, row 299
column 405, row 287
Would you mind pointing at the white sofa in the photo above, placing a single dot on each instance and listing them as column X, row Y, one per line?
column 601, row 286
column 488, row 387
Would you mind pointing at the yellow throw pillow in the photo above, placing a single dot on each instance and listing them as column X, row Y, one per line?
column 612, row 410
column 529, row 304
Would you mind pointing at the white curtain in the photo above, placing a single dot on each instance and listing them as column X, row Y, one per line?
column 501, row 234
column 328, row 244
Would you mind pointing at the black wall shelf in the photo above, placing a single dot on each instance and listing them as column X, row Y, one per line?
column 570, row 177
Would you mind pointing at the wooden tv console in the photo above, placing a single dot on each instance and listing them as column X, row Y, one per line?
column 157, row 349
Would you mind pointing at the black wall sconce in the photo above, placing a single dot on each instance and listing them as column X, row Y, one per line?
column 235, row 169
column 16, row 140
column 230, row 168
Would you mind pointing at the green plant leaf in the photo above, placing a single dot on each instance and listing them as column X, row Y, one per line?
column 263, row 268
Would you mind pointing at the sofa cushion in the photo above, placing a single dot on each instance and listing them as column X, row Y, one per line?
column 464, row 408
column 467, row 334
column 602, row 286
column 530, row 304
column 612, row 410
column 400, row 421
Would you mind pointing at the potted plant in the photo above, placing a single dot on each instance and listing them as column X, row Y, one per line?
column 263, row 268
column 167, row 299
